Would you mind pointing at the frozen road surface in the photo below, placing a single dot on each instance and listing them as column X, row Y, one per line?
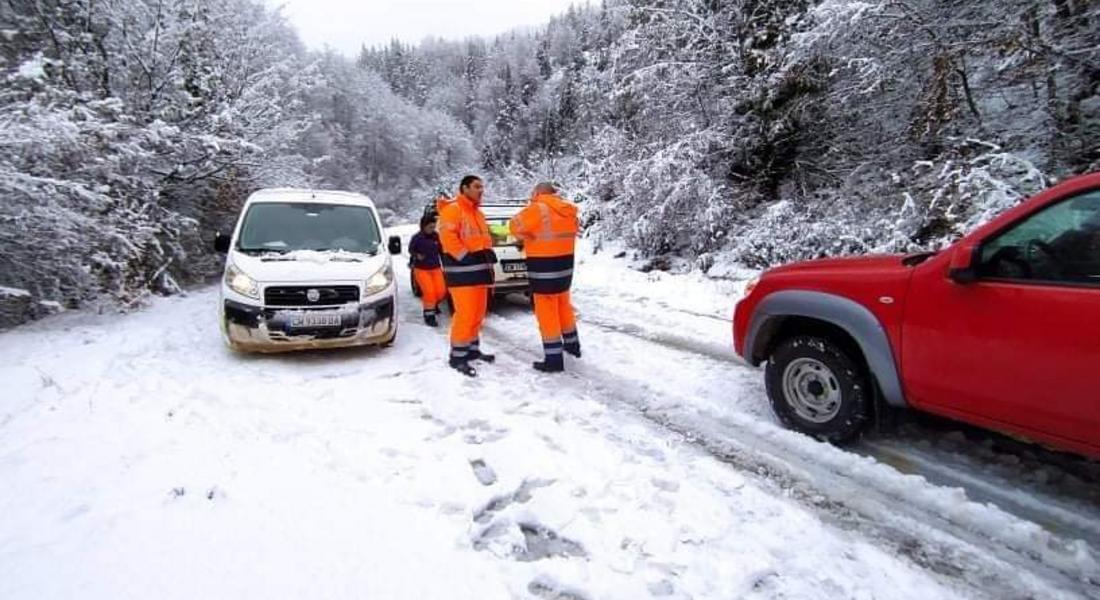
column 141, row 458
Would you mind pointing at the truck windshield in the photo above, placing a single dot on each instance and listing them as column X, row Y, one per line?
column 290, row 226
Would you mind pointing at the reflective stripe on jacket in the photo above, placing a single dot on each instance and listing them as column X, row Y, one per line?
column 466, row 240
column 548, row 227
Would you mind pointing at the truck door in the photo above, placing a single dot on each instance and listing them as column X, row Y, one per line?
column 1020, row 346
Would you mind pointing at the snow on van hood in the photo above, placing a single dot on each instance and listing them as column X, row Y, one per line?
column 307, row 266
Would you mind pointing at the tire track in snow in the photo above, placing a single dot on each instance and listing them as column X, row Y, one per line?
column 885, row 515
column 1036, row 505
column 939, row 529
column 668, row 340
column 1049, row 512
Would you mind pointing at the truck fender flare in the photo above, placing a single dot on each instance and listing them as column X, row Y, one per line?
column 841, row 312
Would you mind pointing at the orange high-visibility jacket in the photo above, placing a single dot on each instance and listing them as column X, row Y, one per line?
column 548, row 227
column 465, row 238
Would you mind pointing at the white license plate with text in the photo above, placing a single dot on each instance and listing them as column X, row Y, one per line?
column 315, row 320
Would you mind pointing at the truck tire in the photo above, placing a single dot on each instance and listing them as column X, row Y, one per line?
column 817, row 388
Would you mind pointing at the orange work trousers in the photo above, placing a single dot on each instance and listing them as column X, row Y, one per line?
column 432, row 288
column 470, row 304
column 556, row 317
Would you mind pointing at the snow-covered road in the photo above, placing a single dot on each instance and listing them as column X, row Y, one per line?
column 140, row 458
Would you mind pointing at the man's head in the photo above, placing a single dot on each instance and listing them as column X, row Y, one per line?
column 544, row 187
column 472, row 187
column 427, row 224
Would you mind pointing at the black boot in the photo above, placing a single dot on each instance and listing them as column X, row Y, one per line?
column 553, row 363
column 477, row 354
column 572, row 344
column 483, row 357
column 463, row 366
column 430, row 319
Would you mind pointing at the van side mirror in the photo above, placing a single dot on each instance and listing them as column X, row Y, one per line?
column 221, row 243
column 964, row 267
column 395, row 245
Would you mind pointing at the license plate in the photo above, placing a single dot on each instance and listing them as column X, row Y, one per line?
column 315, row 321
column 517, row 267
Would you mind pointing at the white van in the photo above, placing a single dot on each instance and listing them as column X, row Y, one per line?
column 511, row 268
column 306, row 269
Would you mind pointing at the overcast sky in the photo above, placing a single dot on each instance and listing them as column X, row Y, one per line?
column 345, row 25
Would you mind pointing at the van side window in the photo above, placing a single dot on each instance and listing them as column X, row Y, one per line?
column 1060, row 244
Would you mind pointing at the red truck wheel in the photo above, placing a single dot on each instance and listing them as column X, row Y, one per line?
column 817, row 388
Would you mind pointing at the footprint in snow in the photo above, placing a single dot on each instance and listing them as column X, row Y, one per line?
column 661, row 588
column 483, row 472
column 551, row 590
column 481, row 432
column 521, row 496
column 665, row 485
column 543, row 542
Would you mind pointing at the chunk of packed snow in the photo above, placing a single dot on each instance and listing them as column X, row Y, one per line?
column 35, row 68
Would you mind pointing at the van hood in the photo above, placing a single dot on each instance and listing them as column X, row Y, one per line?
column 307, row 266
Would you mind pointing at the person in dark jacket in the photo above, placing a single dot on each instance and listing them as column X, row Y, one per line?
column 424, row 248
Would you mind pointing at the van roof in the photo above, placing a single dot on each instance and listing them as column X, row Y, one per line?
column 308, row 195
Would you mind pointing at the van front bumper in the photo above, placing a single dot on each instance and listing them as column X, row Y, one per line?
column 267, row 329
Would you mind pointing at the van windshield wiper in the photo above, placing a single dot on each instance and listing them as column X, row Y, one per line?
column 261, row 250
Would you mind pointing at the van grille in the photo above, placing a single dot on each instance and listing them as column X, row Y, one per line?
column 333, row 295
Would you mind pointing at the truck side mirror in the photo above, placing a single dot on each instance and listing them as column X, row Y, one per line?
column 221, row 243
column 395, row 245
column 963, row 269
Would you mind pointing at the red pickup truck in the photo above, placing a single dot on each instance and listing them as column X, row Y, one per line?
column 1001, row 329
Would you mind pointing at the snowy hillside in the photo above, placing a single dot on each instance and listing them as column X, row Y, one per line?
column 746, row 132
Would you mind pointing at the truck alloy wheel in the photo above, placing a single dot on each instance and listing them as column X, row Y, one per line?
column 815, row 387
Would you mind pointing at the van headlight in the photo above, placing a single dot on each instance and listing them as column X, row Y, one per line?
column 240, row 282
column 379, row 281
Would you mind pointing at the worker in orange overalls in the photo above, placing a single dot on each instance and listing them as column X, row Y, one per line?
column 548, row 227
column 468, row 260
column 424, row 251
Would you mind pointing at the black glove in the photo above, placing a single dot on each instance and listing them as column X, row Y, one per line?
column 484, row 256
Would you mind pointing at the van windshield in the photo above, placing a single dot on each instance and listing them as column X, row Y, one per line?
column 290, row 226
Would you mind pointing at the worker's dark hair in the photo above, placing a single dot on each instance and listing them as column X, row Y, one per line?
column 425, row 220
column 467, row 180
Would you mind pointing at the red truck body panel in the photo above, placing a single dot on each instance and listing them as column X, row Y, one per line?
column 1019, row 357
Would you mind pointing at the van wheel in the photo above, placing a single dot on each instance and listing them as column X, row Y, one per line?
column 817, row 388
